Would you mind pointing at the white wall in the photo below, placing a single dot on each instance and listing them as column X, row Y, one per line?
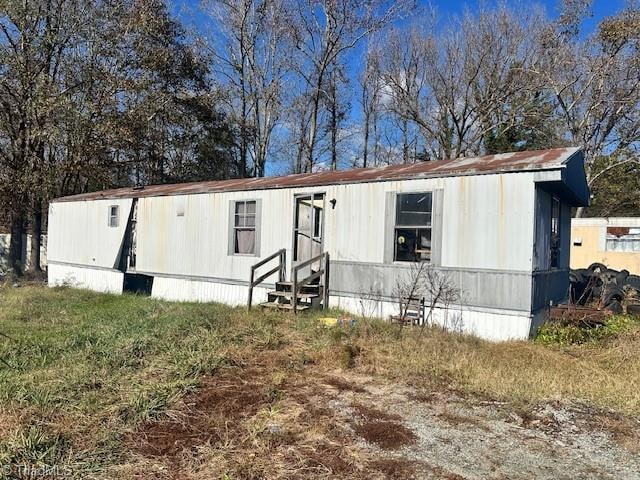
column 183, row 290
column 99, row 280
column 79, row 232
column 483, row 323
column 487, row 224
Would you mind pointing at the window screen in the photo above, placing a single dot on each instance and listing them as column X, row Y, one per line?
column 412, row 232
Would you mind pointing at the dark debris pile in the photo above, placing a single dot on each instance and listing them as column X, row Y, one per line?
column 605, row 288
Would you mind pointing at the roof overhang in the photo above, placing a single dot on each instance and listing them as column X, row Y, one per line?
column 568, row 182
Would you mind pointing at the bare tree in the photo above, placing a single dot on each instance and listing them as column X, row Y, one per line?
column 425, row 282
column 371, row 90
column 92, row 93
column 252, row 64
column 455, row 86
column 595, row 83
column 323, row 32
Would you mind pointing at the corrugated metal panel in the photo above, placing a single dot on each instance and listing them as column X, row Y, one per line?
column 506, row 162
column 106, row 281
column 487, row 224
column 178, row 289
column 496, row 326
column 79, row 232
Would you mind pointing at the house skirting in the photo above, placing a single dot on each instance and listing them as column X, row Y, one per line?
column 488, row 323
column 98, row 279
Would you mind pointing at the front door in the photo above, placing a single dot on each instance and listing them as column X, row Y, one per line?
column 308, row 228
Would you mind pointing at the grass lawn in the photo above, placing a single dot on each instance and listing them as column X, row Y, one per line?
column 88, row 371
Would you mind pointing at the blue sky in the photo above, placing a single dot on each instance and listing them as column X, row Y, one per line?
column 601, row 8
column 187, row 9
column 187, row 12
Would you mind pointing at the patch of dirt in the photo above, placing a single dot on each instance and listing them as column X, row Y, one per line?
column 343, row 385
column 443, row 474
column 311, row 424
column 247, row 431
column 372, row 414
column 221, row 401
column 624, row 431
column 386, row 435
column 456, row 419
column 396, row 468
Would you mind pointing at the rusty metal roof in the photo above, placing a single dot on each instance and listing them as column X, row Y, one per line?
column 500, row 163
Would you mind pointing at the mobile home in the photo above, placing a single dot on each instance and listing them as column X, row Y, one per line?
column 498, row 226
column 613, row 241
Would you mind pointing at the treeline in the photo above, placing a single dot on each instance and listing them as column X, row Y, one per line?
column 103, row 93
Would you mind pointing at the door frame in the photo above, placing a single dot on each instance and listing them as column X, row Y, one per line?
column 297, row 196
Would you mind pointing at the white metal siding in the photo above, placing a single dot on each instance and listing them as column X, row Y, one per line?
column 79, row 232
column 107, row 281
column 487, row 224
column 183, row 290
column 490, row 325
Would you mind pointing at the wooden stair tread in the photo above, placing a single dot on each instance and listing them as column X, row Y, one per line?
column 283, row 306
column 280, row 293
column 301, row 285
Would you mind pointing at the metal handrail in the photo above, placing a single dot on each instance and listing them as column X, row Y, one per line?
column 280, row 269
column 323, row 258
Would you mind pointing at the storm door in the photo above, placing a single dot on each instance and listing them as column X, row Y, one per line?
column 308, row 228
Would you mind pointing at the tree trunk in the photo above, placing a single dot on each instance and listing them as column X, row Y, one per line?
column 334, row 130
column 405, row 142
column 36, row 239
column 365, row 141
column 15, row 247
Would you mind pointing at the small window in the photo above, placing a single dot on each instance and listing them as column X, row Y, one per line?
column 113, row 216
column 623, row 239
column 412, row 233
column 555, row 232
column 244, row 228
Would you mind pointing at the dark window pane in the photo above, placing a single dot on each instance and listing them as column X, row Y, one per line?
column 555, row 232
column 405, row 245
column 412, row 244
column 317, row 223
column 113, row 216
column 413, row 209
column 240, row 208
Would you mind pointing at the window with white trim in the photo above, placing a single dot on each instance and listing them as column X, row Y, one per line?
column 244, row 228
column 412, row 231
column 113, row 216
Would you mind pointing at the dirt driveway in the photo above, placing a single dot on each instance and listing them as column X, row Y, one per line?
column 258, row 421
